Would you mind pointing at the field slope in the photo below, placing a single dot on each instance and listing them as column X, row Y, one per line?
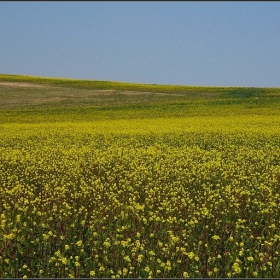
column 109, row 179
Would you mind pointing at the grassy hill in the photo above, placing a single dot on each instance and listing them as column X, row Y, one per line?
column 19, row 90
column 33, row 99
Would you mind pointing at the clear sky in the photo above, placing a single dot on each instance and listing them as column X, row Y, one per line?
column 186, row 43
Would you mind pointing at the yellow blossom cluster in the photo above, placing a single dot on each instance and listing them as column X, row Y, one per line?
column 168, row 198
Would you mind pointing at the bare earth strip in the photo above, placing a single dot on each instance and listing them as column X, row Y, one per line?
column 20, row 84
column 127, row 92
column 18, row 94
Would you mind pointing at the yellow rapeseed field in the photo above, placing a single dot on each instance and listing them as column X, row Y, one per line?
column 147, row 198
column 151, row 196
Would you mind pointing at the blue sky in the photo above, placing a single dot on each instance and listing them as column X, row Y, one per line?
column 186, row 43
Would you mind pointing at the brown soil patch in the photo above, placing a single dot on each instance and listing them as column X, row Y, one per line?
column 25, row 85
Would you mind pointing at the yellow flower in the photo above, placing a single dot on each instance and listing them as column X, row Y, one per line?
column 125, row 270
column 152, row 253
column 127, row 258
column 147, row 269
column 216, row 237
column 236, row 267
column 57, row 253
column 140, row 258
column 191, row 255
column 9, row 236
column 107, row 243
